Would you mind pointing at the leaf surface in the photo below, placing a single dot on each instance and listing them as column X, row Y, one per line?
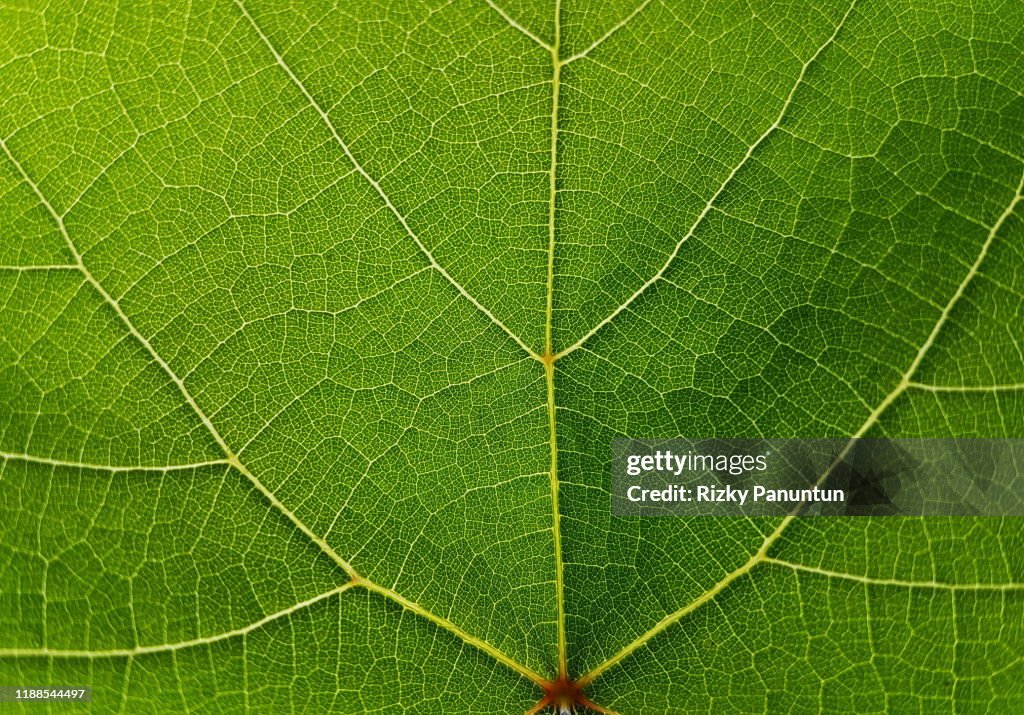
column 318, row 321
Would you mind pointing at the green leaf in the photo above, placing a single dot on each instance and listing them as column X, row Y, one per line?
column 319, row 318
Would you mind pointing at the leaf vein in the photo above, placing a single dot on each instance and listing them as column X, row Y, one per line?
column 902, row 583
column 965, row 388
column 279, row 59
column 230, row 457
column 179, row 645
column 16, row 457
column 721, row 189
column 762, row 553
column 614, row 29
column 518, row 26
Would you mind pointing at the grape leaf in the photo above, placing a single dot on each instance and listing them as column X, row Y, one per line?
column 319, row 318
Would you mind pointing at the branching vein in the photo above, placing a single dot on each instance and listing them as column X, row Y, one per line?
column 230, row 456
column 901, row 583
column 906, row 380
column 28, row 269
column 1013, row 387
column 508, row 18
column 233, row 460
column 454, row 629
column 672, row 618
column 12, row 456
column 170, row 647
column 721, row 189
column 614, row 29
column 376, row 185
column 761, row 556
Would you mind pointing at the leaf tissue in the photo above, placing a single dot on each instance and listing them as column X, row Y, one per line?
column 319, row 319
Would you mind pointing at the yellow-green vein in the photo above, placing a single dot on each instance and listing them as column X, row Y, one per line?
column 549, row 350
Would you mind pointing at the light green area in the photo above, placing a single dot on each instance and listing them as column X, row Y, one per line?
column 274, row 282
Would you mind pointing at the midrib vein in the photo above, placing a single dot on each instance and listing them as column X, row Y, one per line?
column 761, row 555
column 232, row 459
column 556, row 530
column 548, row 358
column 556, row 77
